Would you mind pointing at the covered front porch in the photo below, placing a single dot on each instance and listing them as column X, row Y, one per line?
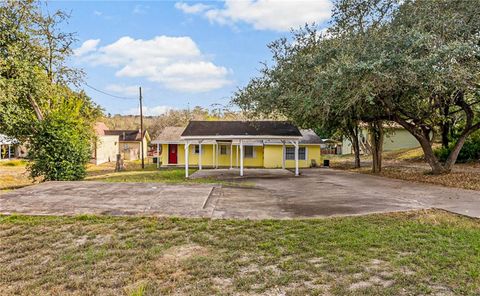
column 236, row 151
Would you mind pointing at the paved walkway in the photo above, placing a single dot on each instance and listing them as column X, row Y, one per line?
column 72, row 198
column 316, row 193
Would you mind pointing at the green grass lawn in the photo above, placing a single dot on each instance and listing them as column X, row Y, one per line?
column 153, row 175
column 13, row 175
column 148, row 175
column 410, row 253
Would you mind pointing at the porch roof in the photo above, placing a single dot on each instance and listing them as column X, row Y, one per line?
column 6, row 140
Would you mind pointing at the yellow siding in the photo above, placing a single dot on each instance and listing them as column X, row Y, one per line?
column 257, row 160
column 269, row 156
column 164, row 154
column 274, row 153
column 207, row 156
column 273, row 156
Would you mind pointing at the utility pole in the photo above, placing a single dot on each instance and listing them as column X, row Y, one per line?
column 141, row 128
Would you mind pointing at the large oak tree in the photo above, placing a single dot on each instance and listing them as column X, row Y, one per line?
column 415, row 63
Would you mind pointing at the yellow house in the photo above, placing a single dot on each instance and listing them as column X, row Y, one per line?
column 238, row 144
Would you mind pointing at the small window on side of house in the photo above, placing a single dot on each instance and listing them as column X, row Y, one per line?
column 197, row 149
column 248, row 151
column 290, row 153
column 223, row 150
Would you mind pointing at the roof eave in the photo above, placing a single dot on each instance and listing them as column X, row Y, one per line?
column 238, row 137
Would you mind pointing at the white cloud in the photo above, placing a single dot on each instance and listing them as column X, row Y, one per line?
column 175, row 62
column 127, row 90
column 277, row 15
column 97, row 13
column 140, row 9
column 86, row 47
column 191, row 9
column 149, row 111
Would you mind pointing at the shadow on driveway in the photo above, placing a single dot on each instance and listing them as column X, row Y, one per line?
column 278, row 194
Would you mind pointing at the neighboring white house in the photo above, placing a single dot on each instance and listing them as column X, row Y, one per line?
column 107, row 146
column 396, row 137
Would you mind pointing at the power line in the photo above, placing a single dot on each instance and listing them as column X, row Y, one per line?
column 105, row 93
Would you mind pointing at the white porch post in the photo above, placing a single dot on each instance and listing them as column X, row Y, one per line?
column 200, row 155
column 187, row 145
column 241, row 158
column 231, row 155
column 296, row 157
column 158, row 156
column 236, row 157
column 283, row 154
column 216, row 157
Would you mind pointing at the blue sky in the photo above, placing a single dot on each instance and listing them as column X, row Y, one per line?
column 181, row 52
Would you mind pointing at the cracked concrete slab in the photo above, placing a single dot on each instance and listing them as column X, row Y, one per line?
column 316, row 193
column 71, row 198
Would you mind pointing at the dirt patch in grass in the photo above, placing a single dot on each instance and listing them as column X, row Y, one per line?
column 468, row 179
column 406, row 165
column 13, row 174
column 411, row 253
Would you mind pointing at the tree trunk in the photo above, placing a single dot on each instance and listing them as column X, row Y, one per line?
column 452, row 158
column 445, row 134
column 424, row 139
column 446, row 128
column 356, row 150
column 376, row 139
column 430, row 158
column 36, row 108
column 353, row 137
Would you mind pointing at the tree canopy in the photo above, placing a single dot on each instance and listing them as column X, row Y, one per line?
column 415, row 63
column 35, row 88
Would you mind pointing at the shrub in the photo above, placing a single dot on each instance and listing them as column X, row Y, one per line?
column 470, row 150
column 60, row 148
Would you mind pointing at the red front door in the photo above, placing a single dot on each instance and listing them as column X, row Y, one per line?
column 172, row 153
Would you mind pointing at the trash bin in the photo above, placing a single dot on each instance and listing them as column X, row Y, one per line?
column 326, row 162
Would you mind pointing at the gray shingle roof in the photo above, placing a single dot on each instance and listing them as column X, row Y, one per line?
column 170, row 134
column 241, row 128
column 310, row 137
column 125, row 135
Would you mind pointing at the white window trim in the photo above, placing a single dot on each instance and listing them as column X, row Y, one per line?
column 299, row 158
column 254, row 152
column 227, row 149
column 195, row 152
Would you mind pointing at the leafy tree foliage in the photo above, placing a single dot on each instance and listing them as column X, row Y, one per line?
column 35, row 100
column 412, row 62
column 470, row 150
column 61, row 144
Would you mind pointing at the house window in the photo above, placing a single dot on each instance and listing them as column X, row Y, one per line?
column 197, row 149
column 223, row 150
column 248, row 151
column 290, row 153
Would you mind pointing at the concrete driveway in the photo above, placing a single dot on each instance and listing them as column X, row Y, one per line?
column 317, row 193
